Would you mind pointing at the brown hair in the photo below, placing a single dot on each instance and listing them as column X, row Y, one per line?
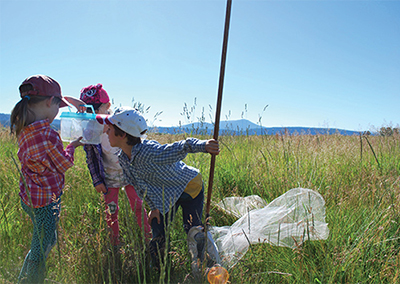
column 96, row 106
column 22, row 115
column 132, row 141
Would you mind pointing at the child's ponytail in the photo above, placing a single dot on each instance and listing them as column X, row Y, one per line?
column 19, row 115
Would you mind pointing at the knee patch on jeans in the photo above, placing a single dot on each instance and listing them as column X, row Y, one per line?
column 112, row 207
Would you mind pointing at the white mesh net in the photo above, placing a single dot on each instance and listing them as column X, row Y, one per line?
column 289, row 220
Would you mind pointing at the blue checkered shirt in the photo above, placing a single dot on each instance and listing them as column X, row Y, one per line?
column 157, row 171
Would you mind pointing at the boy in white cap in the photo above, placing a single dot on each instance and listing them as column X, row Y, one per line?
column 161, row 178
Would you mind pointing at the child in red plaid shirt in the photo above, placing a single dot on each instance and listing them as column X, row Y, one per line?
column 43, row 165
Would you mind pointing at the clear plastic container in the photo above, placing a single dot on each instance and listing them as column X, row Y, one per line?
column 75, row 125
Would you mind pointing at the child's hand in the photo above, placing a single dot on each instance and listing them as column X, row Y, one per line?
column 101, row 188
column 77, row 142
column 77, row 103
column 154, row 214
column 82, row 109
column 212, row 147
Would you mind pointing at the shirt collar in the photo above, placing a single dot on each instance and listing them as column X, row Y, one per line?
column 37, row 125
column 135, row 150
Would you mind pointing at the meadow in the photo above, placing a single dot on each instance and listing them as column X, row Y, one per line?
column 358, row 176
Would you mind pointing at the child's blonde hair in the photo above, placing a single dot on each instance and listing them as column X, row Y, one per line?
column 21, row 114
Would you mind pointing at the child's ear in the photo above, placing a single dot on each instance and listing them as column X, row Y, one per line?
column 123, row 138
column 49, row 101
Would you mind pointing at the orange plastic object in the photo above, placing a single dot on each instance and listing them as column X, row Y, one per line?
column 218, row 275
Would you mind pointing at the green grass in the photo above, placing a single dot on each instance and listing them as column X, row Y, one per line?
column 358, row 177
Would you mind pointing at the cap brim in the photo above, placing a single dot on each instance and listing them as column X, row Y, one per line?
column 65, row 103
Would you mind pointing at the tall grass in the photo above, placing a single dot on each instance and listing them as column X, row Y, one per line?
column 359, row 178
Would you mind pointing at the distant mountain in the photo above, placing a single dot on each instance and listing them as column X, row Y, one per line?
column 226, row 124
column 227, row 127
column 246, row 127
column 4, row 119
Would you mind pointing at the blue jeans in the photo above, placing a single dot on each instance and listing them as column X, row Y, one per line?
column 192, row 210
column 44, row 237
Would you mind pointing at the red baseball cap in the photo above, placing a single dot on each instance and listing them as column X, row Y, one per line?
column 44, row 86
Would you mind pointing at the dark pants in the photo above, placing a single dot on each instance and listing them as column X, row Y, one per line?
column 192, row 210
column 44, row 237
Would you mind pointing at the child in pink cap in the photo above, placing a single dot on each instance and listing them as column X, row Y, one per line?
column 105, row 170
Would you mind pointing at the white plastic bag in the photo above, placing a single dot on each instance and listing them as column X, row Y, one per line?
column 239, row 206
column 288, row 221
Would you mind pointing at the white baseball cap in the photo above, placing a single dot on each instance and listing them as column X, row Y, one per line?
column 127, row 119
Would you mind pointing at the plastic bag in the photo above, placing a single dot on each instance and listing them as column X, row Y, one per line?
column 239, row 206
column 289, row 220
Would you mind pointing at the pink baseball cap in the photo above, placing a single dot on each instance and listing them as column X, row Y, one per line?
column 94, row 94
column 127, row 119
column 43, row 86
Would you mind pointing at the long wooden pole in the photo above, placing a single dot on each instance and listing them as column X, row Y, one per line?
column 219, row 101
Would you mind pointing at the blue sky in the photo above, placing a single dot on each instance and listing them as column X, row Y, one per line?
column 314, row 63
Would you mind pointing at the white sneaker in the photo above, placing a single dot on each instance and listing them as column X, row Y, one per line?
column 196, row 243
column 193, row 251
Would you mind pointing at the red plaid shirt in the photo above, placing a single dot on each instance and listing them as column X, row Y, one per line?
column 43, row 163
